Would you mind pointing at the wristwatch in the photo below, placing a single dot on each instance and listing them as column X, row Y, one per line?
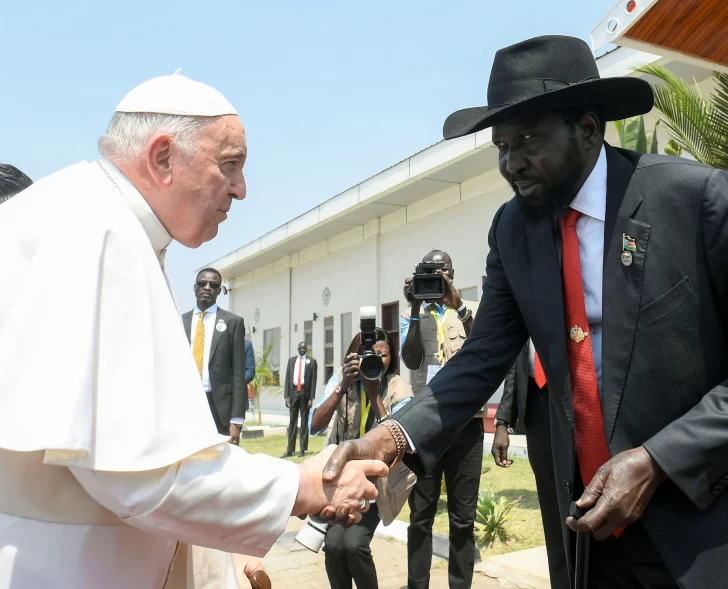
column 498, row 422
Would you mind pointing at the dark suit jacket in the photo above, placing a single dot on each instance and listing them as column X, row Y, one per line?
column 512, row 406
column 665, row 349
column 309, row 379
column 226, row 365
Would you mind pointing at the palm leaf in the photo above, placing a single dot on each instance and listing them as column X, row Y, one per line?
column 620, row 125
column 695, row 124
column 640, row 135
column 653, row 139
column 719, row 98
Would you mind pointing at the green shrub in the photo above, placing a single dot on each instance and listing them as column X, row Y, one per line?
column 491, row 516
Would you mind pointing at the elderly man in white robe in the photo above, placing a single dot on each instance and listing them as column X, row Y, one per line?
column 109, row 457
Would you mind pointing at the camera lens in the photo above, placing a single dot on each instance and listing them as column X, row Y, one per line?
column 371, row 367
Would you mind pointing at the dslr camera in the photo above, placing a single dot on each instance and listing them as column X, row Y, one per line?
column 427, row 284
column 371, row 366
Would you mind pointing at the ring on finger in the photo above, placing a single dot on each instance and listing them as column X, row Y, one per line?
column 364, row 506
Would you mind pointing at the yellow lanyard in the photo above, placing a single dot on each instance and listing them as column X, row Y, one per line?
column 440, row 331
column 365, row 407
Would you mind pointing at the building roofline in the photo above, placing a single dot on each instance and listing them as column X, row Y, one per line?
column 381, row 190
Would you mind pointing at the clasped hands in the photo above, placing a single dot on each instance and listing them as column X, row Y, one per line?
column 617, row 495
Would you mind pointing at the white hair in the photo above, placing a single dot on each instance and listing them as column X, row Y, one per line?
column 128, row 134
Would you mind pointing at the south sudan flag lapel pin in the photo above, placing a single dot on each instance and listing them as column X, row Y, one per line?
column 629, row 245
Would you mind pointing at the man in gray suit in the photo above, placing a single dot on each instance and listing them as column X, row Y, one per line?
column 614, row 264
column 217, row 338
column 299, row 391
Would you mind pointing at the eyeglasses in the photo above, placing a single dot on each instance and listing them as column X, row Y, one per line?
column 204, row 283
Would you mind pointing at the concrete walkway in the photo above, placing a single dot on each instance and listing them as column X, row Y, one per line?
column 291, row 565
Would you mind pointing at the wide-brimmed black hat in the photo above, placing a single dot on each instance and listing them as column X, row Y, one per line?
column 547, row 73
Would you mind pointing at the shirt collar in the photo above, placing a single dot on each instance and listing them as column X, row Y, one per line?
column 210, row 311
column 438, row 308
column 157, row 234
column 591, row 200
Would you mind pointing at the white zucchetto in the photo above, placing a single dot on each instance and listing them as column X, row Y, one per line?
column 176, row 95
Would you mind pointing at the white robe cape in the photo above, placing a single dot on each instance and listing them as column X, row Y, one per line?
column 108, row 450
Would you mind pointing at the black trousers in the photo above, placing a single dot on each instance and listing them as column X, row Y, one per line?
column 348, row 553
column 539, row 454
column 299, row 406
column 628, row 562
column 461, row 465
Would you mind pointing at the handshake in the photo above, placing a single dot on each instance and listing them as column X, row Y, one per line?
column 337, row 484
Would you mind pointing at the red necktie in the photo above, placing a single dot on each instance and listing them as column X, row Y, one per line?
column 538, row 374
column 300, row 371
column 591, row 441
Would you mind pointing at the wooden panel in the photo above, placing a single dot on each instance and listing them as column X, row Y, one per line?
column 693, row 27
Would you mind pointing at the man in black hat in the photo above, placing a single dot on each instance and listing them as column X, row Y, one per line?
column 614, row 264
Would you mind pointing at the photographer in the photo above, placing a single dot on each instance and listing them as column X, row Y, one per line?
column 432, row 332
column 358, row 405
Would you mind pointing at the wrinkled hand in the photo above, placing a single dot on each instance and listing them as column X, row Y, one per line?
column 499, row 450
column 251, row 574
column 452, row 296
column 618, row 494
column 377, row 444
column 341, row 494
column 234, row 431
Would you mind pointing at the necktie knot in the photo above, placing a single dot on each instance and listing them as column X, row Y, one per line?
column 570, row 218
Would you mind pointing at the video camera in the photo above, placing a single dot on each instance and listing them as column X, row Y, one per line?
column 427, row 284
column 371, row 366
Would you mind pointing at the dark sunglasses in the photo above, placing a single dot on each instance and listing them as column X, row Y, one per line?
column 204, row 283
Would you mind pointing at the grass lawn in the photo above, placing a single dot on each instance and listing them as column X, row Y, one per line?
column 515, row 483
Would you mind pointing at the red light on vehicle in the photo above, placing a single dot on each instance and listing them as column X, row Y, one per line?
column 631, row 5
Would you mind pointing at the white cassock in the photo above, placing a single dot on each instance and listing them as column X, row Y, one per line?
column 108, row 453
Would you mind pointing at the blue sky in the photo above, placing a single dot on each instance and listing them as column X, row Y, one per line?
column 330, row 92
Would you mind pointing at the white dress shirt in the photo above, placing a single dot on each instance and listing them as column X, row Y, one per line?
column 299, row 368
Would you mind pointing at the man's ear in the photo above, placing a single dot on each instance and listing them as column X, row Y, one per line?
column 159, row 152
column 591, row 130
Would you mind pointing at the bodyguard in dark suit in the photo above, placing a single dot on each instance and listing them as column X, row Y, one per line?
column 524, row 408
column 217, row 338
column 614, row 264
column 299, row 391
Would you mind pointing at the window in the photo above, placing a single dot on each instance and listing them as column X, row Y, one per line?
column 272, row 337
column 469, row 294
column 308, row 333
column 346, row 334
column 328, row 348
column 390, row 324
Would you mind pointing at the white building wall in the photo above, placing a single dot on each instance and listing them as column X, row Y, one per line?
column 270, row 296
column 367, row 266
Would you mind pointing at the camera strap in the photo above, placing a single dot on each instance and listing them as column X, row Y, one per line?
column 365, row 408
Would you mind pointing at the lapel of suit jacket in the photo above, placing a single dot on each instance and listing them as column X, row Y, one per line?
column 187, row 322
column 216, row 334
column 546, row 290
column 621, row 285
